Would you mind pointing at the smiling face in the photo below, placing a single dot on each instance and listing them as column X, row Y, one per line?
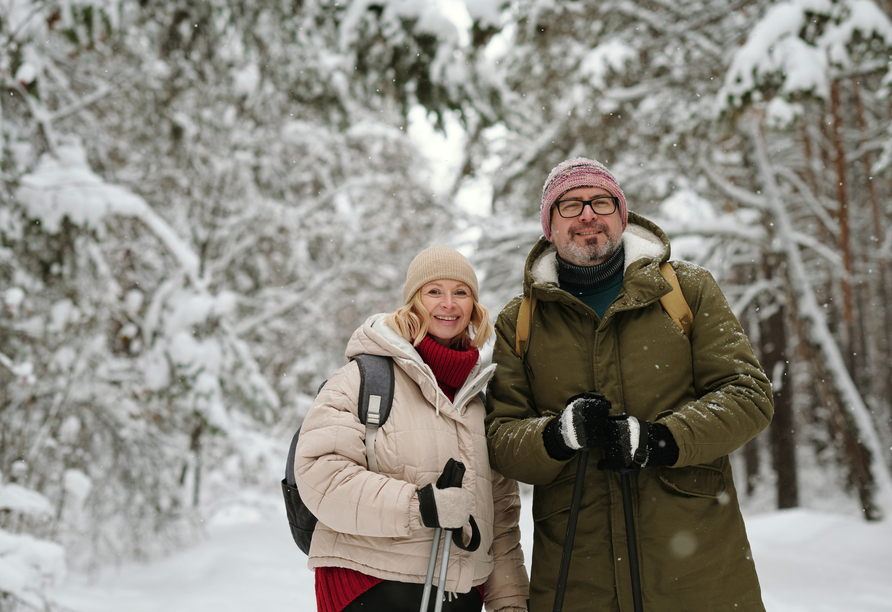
column 450, row 305
column 588, row 239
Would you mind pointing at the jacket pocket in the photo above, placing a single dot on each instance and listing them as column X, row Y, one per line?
column 552, row 498
column 694, row 480
column 556, row 497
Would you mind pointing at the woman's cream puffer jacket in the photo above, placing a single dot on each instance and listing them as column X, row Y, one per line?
column 370, row 521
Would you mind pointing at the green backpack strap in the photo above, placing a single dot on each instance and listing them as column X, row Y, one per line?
column 674, row 302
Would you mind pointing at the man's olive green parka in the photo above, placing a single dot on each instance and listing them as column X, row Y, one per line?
column 708, row 389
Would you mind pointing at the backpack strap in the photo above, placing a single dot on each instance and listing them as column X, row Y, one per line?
column 674, row 302
column 375, row 398
column 524, row 316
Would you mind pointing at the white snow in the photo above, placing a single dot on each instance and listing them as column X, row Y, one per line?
column 28, row 565
column 773, row 47
column 609, row 56
column 15, row 498
column 807, row 562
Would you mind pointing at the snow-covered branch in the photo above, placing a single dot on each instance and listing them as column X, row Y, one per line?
column 722, row 227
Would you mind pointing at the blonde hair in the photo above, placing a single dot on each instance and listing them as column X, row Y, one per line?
column 412, row 322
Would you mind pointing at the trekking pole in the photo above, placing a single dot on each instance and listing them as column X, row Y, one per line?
column 444, row 566
column 452, row 475
column 429, row 579
column 631, row 540
column 571, row 531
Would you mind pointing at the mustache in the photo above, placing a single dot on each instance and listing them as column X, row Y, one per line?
column 584, row 227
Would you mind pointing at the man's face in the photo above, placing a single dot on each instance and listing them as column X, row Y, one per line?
column 588, row 239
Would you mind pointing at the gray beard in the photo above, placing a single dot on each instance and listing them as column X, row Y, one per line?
column 590, row 254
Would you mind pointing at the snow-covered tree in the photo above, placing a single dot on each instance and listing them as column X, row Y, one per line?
column 664, row 93
column 201, row 202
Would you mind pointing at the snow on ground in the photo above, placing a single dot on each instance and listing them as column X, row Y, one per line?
column 807, row 562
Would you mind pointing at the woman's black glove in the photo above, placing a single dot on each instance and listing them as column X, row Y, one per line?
column 447, row 508
column 447, row 505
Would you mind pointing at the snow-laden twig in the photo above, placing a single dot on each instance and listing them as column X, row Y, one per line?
column 80, row 104
column 819, row 331
column 832, row 257
column 734, row 192
column 752, row 292
column 813, row 204
column 40, row 115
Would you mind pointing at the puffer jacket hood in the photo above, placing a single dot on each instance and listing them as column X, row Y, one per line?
column 370, row 521
column 375, row 337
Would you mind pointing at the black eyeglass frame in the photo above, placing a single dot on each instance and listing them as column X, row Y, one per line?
column 590, row 204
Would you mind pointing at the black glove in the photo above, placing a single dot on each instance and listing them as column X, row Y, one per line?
column 581, row 424
column 632, row 444
column 448, row 505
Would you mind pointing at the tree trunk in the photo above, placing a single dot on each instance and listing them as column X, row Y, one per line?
column 843, row 218
column 809, row 171
column 876, row 291
column 195, row 447
column 776, row 362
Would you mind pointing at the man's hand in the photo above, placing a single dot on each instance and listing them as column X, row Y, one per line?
column 583, row 421
column 632, row 443
column 626, row 446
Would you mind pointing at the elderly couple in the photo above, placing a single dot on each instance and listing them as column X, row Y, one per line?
column 599, row 346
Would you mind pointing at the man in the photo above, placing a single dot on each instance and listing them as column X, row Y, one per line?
column 601, row 344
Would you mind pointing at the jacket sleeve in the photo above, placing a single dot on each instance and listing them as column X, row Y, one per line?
column 508, row 586
column 331, row 471
column 513, row 424
column 735, row 401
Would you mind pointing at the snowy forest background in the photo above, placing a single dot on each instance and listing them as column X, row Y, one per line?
column 202, row 200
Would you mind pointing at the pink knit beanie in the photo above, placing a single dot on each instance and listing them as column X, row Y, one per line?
column 573, row 173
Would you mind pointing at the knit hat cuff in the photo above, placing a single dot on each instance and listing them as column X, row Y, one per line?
column 436, row 263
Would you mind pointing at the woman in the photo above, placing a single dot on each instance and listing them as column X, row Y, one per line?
column 371, row 548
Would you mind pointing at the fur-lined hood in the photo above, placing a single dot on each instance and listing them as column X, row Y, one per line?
column 643, row 242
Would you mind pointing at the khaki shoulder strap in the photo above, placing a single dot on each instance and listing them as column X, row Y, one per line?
column 527, row 306
column 674, row 303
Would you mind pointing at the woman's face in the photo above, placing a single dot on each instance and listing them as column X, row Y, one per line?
column 450, row 304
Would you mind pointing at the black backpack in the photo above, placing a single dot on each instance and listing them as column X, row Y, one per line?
column 375, row 401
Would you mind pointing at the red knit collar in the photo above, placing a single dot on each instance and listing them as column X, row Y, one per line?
column 450, row 367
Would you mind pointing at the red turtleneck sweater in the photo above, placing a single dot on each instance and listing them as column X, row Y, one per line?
column 336, row 587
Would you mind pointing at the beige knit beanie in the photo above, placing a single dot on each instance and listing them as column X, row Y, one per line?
column 436, row 263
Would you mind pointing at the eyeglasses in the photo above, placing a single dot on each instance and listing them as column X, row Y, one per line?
column 602, row 205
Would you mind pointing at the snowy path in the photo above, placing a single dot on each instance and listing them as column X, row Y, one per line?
column 807, row 562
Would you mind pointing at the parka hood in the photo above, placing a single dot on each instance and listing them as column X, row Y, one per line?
column 376, row 337
column 643, row 241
